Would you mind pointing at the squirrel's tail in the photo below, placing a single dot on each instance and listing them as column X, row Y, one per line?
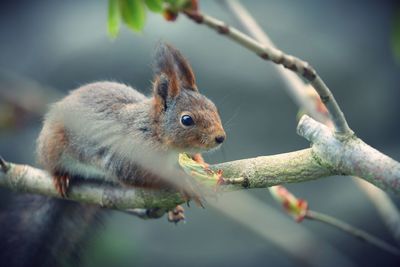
column 43, row 231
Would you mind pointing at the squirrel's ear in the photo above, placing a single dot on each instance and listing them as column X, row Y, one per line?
column 164, row 87
column 169, row 60
column 185, row 71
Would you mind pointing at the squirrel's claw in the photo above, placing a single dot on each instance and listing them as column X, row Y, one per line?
column 188, row 194
column 176, row 215
column 61, row 183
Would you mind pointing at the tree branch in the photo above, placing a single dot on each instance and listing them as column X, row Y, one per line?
column 384, row 205
column 266, row 171
column 351, row 156
column 257, row 172
column 347, row 228
column 24, row 178
column 294, row 64
column 327, row 156
column 295, row 86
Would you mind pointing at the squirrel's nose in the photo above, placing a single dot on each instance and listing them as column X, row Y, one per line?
column 219, row 139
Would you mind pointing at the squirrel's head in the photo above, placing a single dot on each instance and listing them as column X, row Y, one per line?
column 186, row 120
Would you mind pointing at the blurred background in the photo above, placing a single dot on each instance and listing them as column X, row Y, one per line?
column 50, row 47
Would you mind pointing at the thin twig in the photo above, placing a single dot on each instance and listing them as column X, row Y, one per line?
column 360, row 234
column 294, row 64
column 384, row 205
column 295, row 86
column 298, row 209
column 146, row 214
column 4, row 165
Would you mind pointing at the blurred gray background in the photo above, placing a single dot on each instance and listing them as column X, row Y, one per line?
column 50, row 47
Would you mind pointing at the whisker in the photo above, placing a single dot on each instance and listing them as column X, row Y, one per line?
column 224, row 98
column 229, row 127
column 236, row 112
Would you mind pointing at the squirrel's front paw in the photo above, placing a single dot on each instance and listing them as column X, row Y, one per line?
column 176, row 215
column 61, row 183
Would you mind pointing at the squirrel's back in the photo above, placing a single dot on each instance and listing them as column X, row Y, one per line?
column 103, row 100
column 100, row 95
column 84, row 121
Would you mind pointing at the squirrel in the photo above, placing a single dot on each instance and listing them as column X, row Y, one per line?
column 102, row 130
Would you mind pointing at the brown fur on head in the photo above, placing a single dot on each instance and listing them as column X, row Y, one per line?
column 186, row 119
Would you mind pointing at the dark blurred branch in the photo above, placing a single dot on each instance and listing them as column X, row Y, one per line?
column 347, row 228
column 384, row 205
column 22, row 100
column 26, row 93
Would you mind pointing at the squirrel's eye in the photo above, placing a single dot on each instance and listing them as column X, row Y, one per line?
column 187, row 120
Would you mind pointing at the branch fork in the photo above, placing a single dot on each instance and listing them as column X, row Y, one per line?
column 349, row 155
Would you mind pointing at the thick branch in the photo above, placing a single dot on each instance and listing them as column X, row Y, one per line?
column 351, row 156
column 257, row 172
column 265, row 171
column 24, row 178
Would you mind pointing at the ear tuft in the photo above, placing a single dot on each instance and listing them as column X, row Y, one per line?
column 184, row 69
column 164, row 61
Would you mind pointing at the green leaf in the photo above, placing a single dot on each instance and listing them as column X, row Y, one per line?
column 396, row 35
column 178, row 5
column 113, row 18
column 133, row 13
column 154, row 5
column 171, row 2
